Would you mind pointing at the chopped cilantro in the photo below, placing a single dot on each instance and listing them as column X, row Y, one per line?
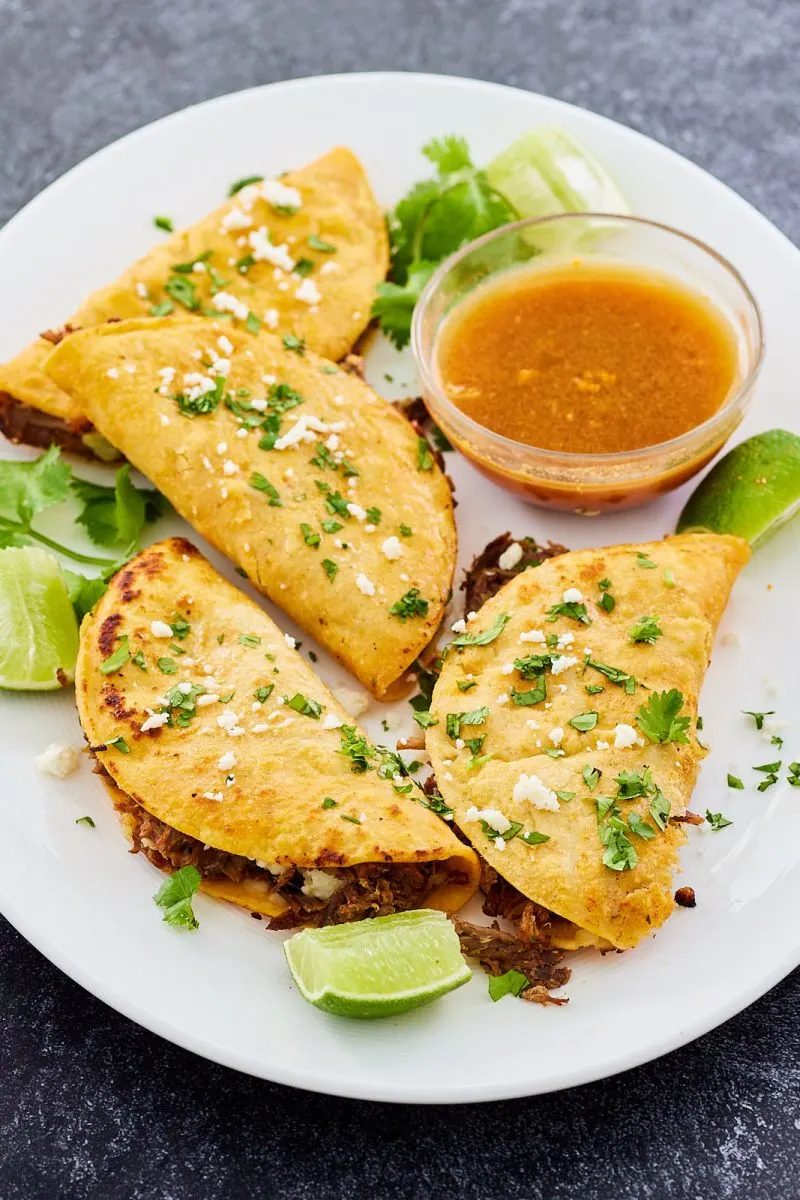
column 119, row 744
column 405, row 530
column 619, row 854
column 175, row 897
column 758, row 717
column 659, row 720
column 769, row 768
column 424, row 719
column 328, row 802
column 717, row 821
column 640, row 827
column 669, row 578
column 565, row 796
column 261, row 484
column 167, row 666
column 336, row 503
column 793, row 777
column 295, row 344
column 411, row 604
column 180, row 627
column 584, row 721
column 183, row 291
column 660, row 809
column 138, row 660
column 613, row 674
column 253, row 323
column 332, row 526
column 85, row 821
column 571, row 609
column 304, row 266
column 533, row 696
column 436, row 804
column 316, row 243
column 591, row 777
column 330, row 568
column 243, row 183
column 643, row 561
column 251, row 640
column 484, row 638
column 263, row 693
column 352, row 820
column 244, row 263
column 593, row 689
column 735, row 782
column 646, row 629
column 606, row 601
column 301, row 704
column 511, row 983
column 164, row 223
column 374, row 515
column 634, row 783
column 440, row 441
column 465, row 685
column 533, row 665
column 309, row 536
column 116, row 661
column 456, row 720
column 226, row 699
column 424, row 456
column 163, row 309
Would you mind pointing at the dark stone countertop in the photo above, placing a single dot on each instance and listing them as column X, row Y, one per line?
column 92, row 1106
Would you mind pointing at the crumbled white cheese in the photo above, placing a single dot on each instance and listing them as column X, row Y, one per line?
column 184, row 687
column 308, row 292
column 263, row 250
column 112, row 373
column 212, row 795
column 492, row 816
column 227, row 761
column 225, row 344
column 58, row 759
column 459, row 626
column 357, row 511
column 235, row 219
column 392, row 548
column 154, row 721
column 556, row 735
column 278, row 195
column 206, row 698
column 510, row 557
column 163, row 418
column 229, row 721
column 141, row 290
column 319, row 884
column 290, row 641
column 565, row 640
column 225, row 302
column 600, row 745
column 261, row 728
column 352, row 700
column 331, row 721
column 532, row 635
column 160, row 629
column 507, row 668
column 562, row 662
column 229, row 467
column 365, row 585
column 502, row 698
column 531, row 788
column 626, row 736
column 271, row 318
column 572, row 596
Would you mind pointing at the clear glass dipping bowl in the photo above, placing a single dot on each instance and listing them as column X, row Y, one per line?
column 588, row 483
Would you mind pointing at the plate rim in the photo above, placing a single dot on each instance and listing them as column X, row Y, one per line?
column 318, row 1081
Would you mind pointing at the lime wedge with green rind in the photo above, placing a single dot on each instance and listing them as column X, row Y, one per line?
column 378, row 968
column 752, row 491
column 38, row 628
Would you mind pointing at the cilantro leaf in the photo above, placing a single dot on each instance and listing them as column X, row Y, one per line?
column 28, row 488
column 484, row 638
column 175, row 897
column 758, row 717
column 394, row 303
column 717, row 821
column 647, row 630
column 411, row 604
column 83, row 593
column 448, row 153
column 243, row 183
column 512, row 983
column 735, row 782
column 584, row 721
column 659, row 720
column 572, row 609
column 116, row 516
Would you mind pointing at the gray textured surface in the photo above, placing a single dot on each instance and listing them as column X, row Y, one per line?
column 89, row 1104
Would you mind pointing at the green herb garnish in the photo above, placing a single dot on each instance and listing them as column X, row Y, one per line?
column 175, row 897
column 717, row 821
column 659, row 720
column 647, row 630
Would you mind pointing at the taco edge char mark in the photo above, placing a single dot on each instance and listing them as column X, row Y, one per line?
column 237, row 262
column 220, row 748
column 569, row 752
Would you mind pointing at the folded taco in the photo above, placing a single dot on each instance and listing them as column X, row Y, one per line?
column 222, row 749
column 300, row 255
column 315, row 486
column 565, row 738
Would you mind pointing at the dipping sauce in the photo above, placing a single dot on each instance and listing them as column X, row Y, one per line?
column 587, row 357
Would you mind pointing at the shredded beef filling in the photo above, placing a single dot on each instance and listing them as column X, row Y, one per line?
column 527, row 949
column 485, row 577
column 367, row 889
column 22, row 423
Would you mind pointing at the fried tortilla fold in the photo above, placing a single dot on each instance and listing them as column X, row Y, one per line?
column 300, row 255
column 223, row 749
column 298, row 471
column 557, row 701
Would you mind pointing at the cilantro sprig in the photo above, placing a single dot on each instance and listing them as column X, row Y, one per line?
column 433, row 219
column 659, row 719
column 175, row 898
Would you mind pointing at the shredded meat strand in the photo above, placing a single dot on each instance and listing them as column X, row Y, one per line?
column 498, row 952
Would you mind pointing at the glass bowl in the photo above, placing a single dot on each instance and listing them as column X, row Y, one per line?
column 588, row 483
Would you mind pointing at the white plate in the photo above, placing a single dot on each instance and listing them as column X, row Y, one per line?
column 225, row 992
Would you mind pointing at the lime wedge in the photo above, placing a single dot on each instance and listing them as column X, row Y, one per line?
column 378, row 968
column 38, row 629
column 752, row 490
column 546, row 171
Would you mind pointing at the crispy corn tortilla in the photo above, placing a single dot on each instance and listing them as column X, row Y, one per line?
column 338, row 208
column 286, row 763
column 566, row 874
column 116, row 373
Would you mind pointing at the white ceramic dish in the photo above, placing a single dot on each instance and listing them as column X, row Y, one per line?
column 225, row 992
